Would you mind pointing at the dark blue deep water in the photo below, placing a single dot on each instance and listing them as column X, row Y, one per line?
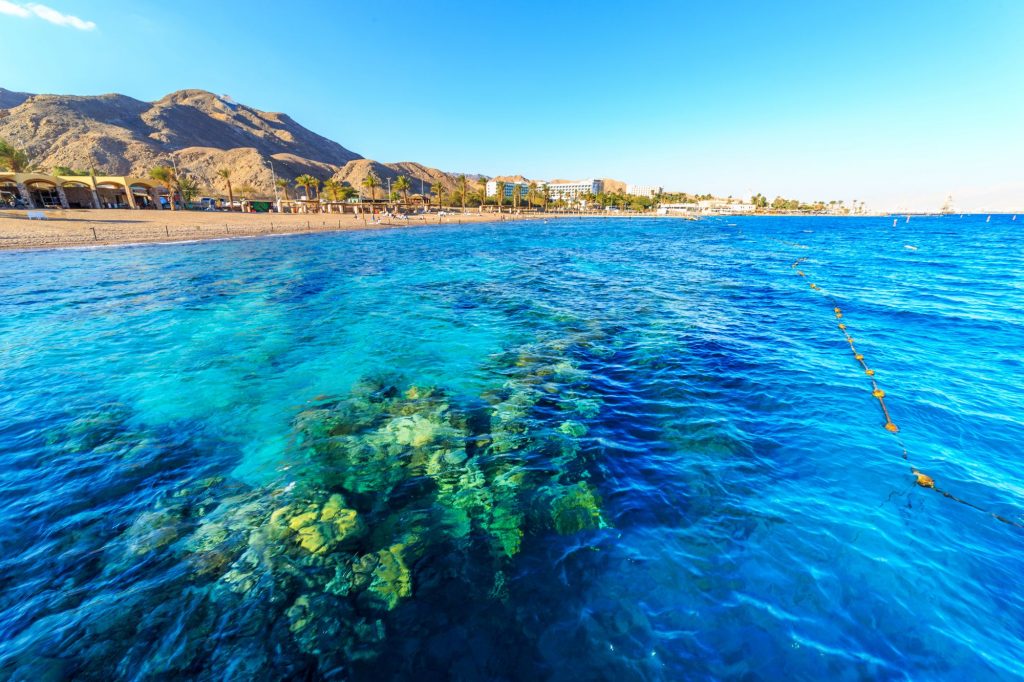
column 581, row 450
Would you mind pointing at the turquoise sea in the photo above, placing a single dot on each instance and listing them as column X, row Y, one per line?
column 618, row 449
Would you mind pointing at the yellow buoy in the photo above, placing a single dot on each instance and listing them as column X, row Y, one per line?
column 889, row 426
column 924, row 480
column 858, row 357
column 870, row 372
column 878, row 393
column 836, row 310
column 842, row 326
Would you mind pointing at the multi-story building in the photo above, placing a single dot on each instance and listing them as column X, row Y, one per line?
column 644, row 190
column 573, row 190
column 509, row 189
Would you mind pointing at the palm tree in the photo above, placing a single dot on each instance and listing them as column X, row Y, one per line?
column 305, row 181
column 371, row 182
column 165, row 176
column 225, row 175
column 531, row 194
column 12, row 159
column 439, row 190
column 462, row 187
column 483, row 191
column 332, row 188
column 283, row 185
column 188, row 187
column 403, row 185
column 546, row 195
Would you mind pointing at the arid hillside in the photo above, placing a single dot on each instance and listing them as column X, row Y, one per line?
column 196, row 130
column 199, row 133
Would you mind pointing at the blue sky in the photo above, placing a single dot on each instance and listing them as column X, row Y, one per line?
column 896, row 103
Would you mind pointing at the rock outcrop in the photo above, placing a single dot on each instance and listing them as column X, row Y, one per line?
column 197, row 130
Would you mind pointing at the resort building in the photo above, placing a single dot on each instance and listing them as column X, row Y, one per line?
column 724, row 206
column 509, row 189
column 572, row 190
column 707, row 207
column 37, row 190
column 678, row 209
column 644, row 190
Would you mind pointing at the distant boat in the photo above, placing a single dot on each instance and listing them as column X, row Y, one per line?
column 894, row 221
column 1013, row 218
column 908, row 219
column 988, row 219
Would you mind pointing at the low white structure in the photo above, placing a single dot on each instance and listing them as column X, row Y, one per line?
column 644, row 190
column 724, row 206
column 676, row 209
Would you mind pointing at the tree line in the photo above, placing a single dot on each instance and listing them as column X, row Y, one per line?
column 466, row 192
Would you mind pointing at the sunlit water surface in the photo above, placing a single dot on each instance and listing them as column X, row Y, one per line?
column 597, row 449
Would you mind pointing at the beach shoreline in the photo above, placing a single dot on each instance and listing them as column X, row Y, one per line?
column 87, row 228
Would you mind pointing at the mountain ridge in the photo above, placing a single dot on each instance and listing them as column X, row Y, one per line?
column 198, row 132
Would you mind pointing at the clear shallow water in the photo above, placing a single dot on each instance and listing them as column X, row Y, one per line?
column 594, row 450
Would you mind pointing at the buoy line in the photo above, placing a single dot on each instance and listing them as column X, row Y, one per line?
column 921, row 479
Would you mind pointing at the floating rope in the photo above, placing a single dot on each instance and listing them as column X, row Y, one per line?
column 921, row 479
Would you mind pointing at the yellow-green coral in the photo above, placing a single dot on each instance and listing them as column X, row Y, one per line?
column 573, row 428
column 505, row 527
column 415, row 431
column 320, row 529
column 575, row 508
column 392, row 580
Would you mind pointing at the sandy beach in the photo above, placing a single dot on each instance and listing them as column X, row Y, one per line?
column 81, row 227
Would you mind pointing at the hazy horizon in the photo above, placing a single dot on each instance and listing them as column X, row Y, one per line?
column 898, row 107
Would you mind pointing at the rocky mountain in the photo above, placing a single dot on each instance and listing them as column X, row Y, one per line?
column 194, row 129
column 9, row 98
column 423, row 178
column 197, row 131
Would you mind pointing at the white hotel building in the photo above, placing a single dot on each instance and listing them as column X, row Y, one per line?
column 572, row 190
column 568, row 191
column 644, row 190
column 509, row 189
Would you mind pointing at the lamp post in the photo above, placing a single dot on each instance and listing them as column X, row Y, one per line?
column 170, row 190
column 273, row 173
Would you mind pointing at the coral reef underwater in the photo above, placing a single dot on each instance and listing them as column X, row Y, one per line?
column 395, row 490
